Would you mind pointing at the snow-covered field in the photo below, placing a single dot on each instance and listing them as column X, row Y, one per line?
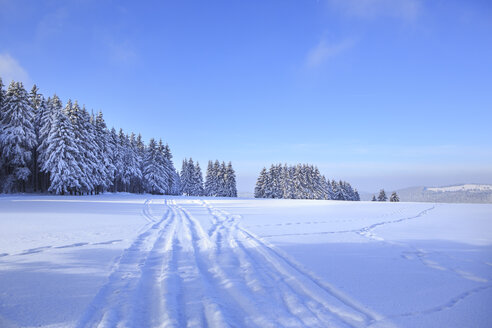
column 145, row 261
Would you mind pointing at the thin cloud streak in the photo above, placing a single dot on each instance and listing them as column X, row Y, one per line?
column 325, row 50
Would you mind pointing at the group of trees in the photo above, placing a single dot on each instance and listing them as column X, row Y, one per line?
column 46, row 146
column 220, row 180
column 382, row 197
column 301, row 181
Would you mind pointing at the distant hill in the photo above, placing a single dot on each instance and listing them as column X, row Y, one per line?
column 466, row 193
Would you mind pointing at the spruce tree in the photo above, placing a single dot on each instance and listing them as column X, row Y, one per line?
column 133, row 164
column 260, row 184
column 209, row 180
column 152, row 174
column 18, row 137
column 62, row 159
column 382, row 196
column 105, row 165
column 357, row 196
column 394, row 197
column 170, row 170
column 197, row 181
column 38, row 104
column 187, row 173
column 163, row 166
column 46, row 121
column 3, row 167
column 373, row 198
column 231, row 181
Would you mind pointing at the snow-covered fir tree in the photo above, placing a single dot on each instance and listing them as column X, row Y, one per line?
column 2, row 161
column 197, row 181
column 46, row 121
column 65, row 172
column 17, row 138
column 394, row 197
column 231, row 189
column 154, row 179
column 38, row 104
column 105, row 167
column 382, row 196
column 209, row 180
column 186, row 177
column 260, row 184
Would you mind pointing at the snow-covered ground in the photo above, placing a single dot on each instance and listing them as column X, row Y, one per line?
column 148, row 261
column 465, row 187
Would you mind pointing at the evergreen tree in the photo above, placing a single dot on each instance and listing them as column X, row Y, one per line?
column 117, row 159
column 329, row 190
column 163, row 165
column 85, row 133
column 374, row 198
column 2, row 162
column 18, row 137
column 357, row 196
column 394, row 197
column 210, row 180
column 260, row 184
column 154, row 180
column 133, row 164
column 46, row 121
column 176, row 185
column 197, row 181
column 62, row 159
column 38, row 104
column 231, row 181
column 338, row 193
column 187, row 173
column 170, row 170
column 382, row 196
column 140, row 154
column 104, row 154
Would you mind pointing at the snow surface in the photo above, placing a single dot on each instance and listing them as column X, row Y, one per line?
column 146, row 261
column 465, row 187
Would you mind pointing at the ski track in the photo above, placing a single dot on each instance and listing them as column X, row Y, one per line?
column 176, row 274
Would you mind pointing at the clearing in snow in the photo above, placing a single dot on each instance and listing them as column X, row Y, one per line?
column 157, row 261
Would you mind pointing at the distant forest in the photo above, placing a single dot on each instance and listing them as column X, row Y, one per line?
column 301, row 181
column 48, row 147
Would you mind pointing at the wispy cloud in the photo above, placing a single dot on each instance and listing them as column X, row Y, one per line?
column 11, row 70
column 121, row 52
column 53, row 23
column 402, row 9
column 325, row 50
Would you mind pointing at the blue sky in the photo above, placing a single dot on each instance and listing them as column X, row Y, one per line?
column 382, row 93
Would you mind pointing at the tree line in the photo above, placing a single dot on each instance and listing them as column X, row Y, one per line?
column 301, row 181
column 63, row 149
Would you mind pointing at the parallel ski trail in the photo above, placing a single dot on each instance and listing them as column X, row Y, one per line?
column 112, row 301
column 176, row 274
column 302, row 297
